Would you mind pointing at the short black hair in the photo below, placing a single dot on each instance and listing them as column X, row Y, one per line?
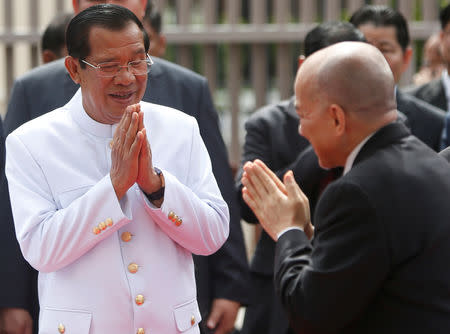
column 107, row 16
column 383, row 16
column 153, row 17
column 329, row 33
column 54, row 37
column 444, row 16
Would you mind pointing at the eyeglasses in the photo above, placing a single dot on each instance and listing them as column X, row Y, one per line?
column 111, row 69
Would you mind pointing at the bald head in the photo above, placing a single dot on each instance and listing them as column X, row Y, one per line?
column 353, row 75
column 344, row 93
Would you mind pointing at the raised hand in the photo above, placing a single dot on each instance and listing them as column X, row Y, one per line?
column 147, row 179
column 127, row 143
column 277, row 205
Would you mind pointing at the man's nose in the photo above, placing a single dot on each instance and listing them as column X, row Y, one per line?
column 124, row 76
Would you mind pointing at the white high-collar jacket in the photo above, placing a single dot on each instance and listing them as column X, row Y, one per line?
column 98, row 282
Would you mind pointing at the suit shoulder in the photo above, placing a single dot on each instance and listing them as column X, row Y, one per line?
column 176, row 70
column 410, row 101
column 272, row 113
column 425, row 89
column 44, row 72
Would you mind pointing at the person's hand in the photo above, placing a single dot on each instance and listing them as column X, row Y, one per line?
column 127, row 142
column 223, row 315
column 15, row 321
column 277, row 205
column 147, row 179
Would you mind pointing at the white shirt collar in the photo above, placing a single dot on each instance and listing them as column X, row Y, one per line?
column 446, row 83
column 352, row 156
column 84, row 121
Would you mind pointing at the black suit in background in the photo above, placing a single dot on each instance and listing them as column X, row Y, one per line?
column 272, row 136
column 425, row 121
column 379, row 259
column 432, row 92
column 224, row 274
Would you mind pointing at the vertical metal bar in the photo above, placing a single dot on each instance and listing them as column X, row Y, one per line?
column 234, row 82
column 353, row 5
column 283, row 61
column 34, row 26
column 332, row 10
column 308, row 11
column 259, row 77
column 184, row 54
column 9, row 50
column 430, row 10
column 210, row 50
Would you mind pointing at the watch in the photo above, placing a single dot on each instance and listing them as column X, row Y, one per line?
column 156, row 195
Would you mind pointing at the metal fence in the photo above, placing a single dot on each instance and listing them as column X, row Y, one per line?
column 246, row 48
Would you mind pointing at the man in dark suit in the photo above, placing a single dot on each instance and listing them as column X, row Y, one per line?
column 272, row 136
column 222, row 278
column 387, row 29
column 378, row 260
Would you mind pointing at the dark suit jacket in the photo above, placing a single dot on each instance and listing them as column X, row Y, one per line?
column 432, row 92
column 379, row 259
column 272, row 136
column 221, row 275
column 425, row 121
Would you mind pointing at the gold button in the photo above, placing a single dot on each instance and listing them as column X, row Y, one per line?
column 102, row 226
column 140, row 299
column 140, row 331
column 61, row 328
column 110, row 144
column 109, row 222
column 133, row 268
column 96, row 230
column 171, row 215
column 192, row 321
column 126, row 236
column 178, row 222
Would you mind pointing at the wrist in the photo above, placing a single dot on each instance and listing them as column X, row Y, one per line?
column 157, row 196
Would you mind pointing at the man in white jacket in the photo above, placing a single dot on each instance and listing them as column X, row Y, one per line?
column 111, row 195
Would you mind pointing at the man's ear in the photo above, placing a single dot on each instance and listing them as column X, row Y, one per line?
column 338, row 116
column 73, row 67
column 301, row 59
column 407, row 56
column 75, row 5
column 48, row 56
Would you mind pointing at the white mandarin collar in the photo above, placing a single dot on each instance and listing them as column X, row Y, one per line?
column 446, row 83
column 85, row 122
column 352, row 156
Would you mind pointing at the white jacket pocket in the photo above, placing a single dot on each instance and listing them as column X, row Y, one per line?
column 54, row 320
column 187, row 315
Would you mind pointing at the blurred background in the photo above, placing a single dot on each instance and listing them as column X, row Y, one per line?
column 247, row 49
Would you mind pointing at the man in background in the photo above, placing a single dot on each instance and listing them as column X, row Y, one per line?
column 53, row 41
column 223, row 277
column 152, row 22
column 387, row 29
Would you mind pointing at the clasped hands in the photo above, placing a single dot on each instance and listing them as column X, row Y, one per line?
column 277, row 205
column 131, row 155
